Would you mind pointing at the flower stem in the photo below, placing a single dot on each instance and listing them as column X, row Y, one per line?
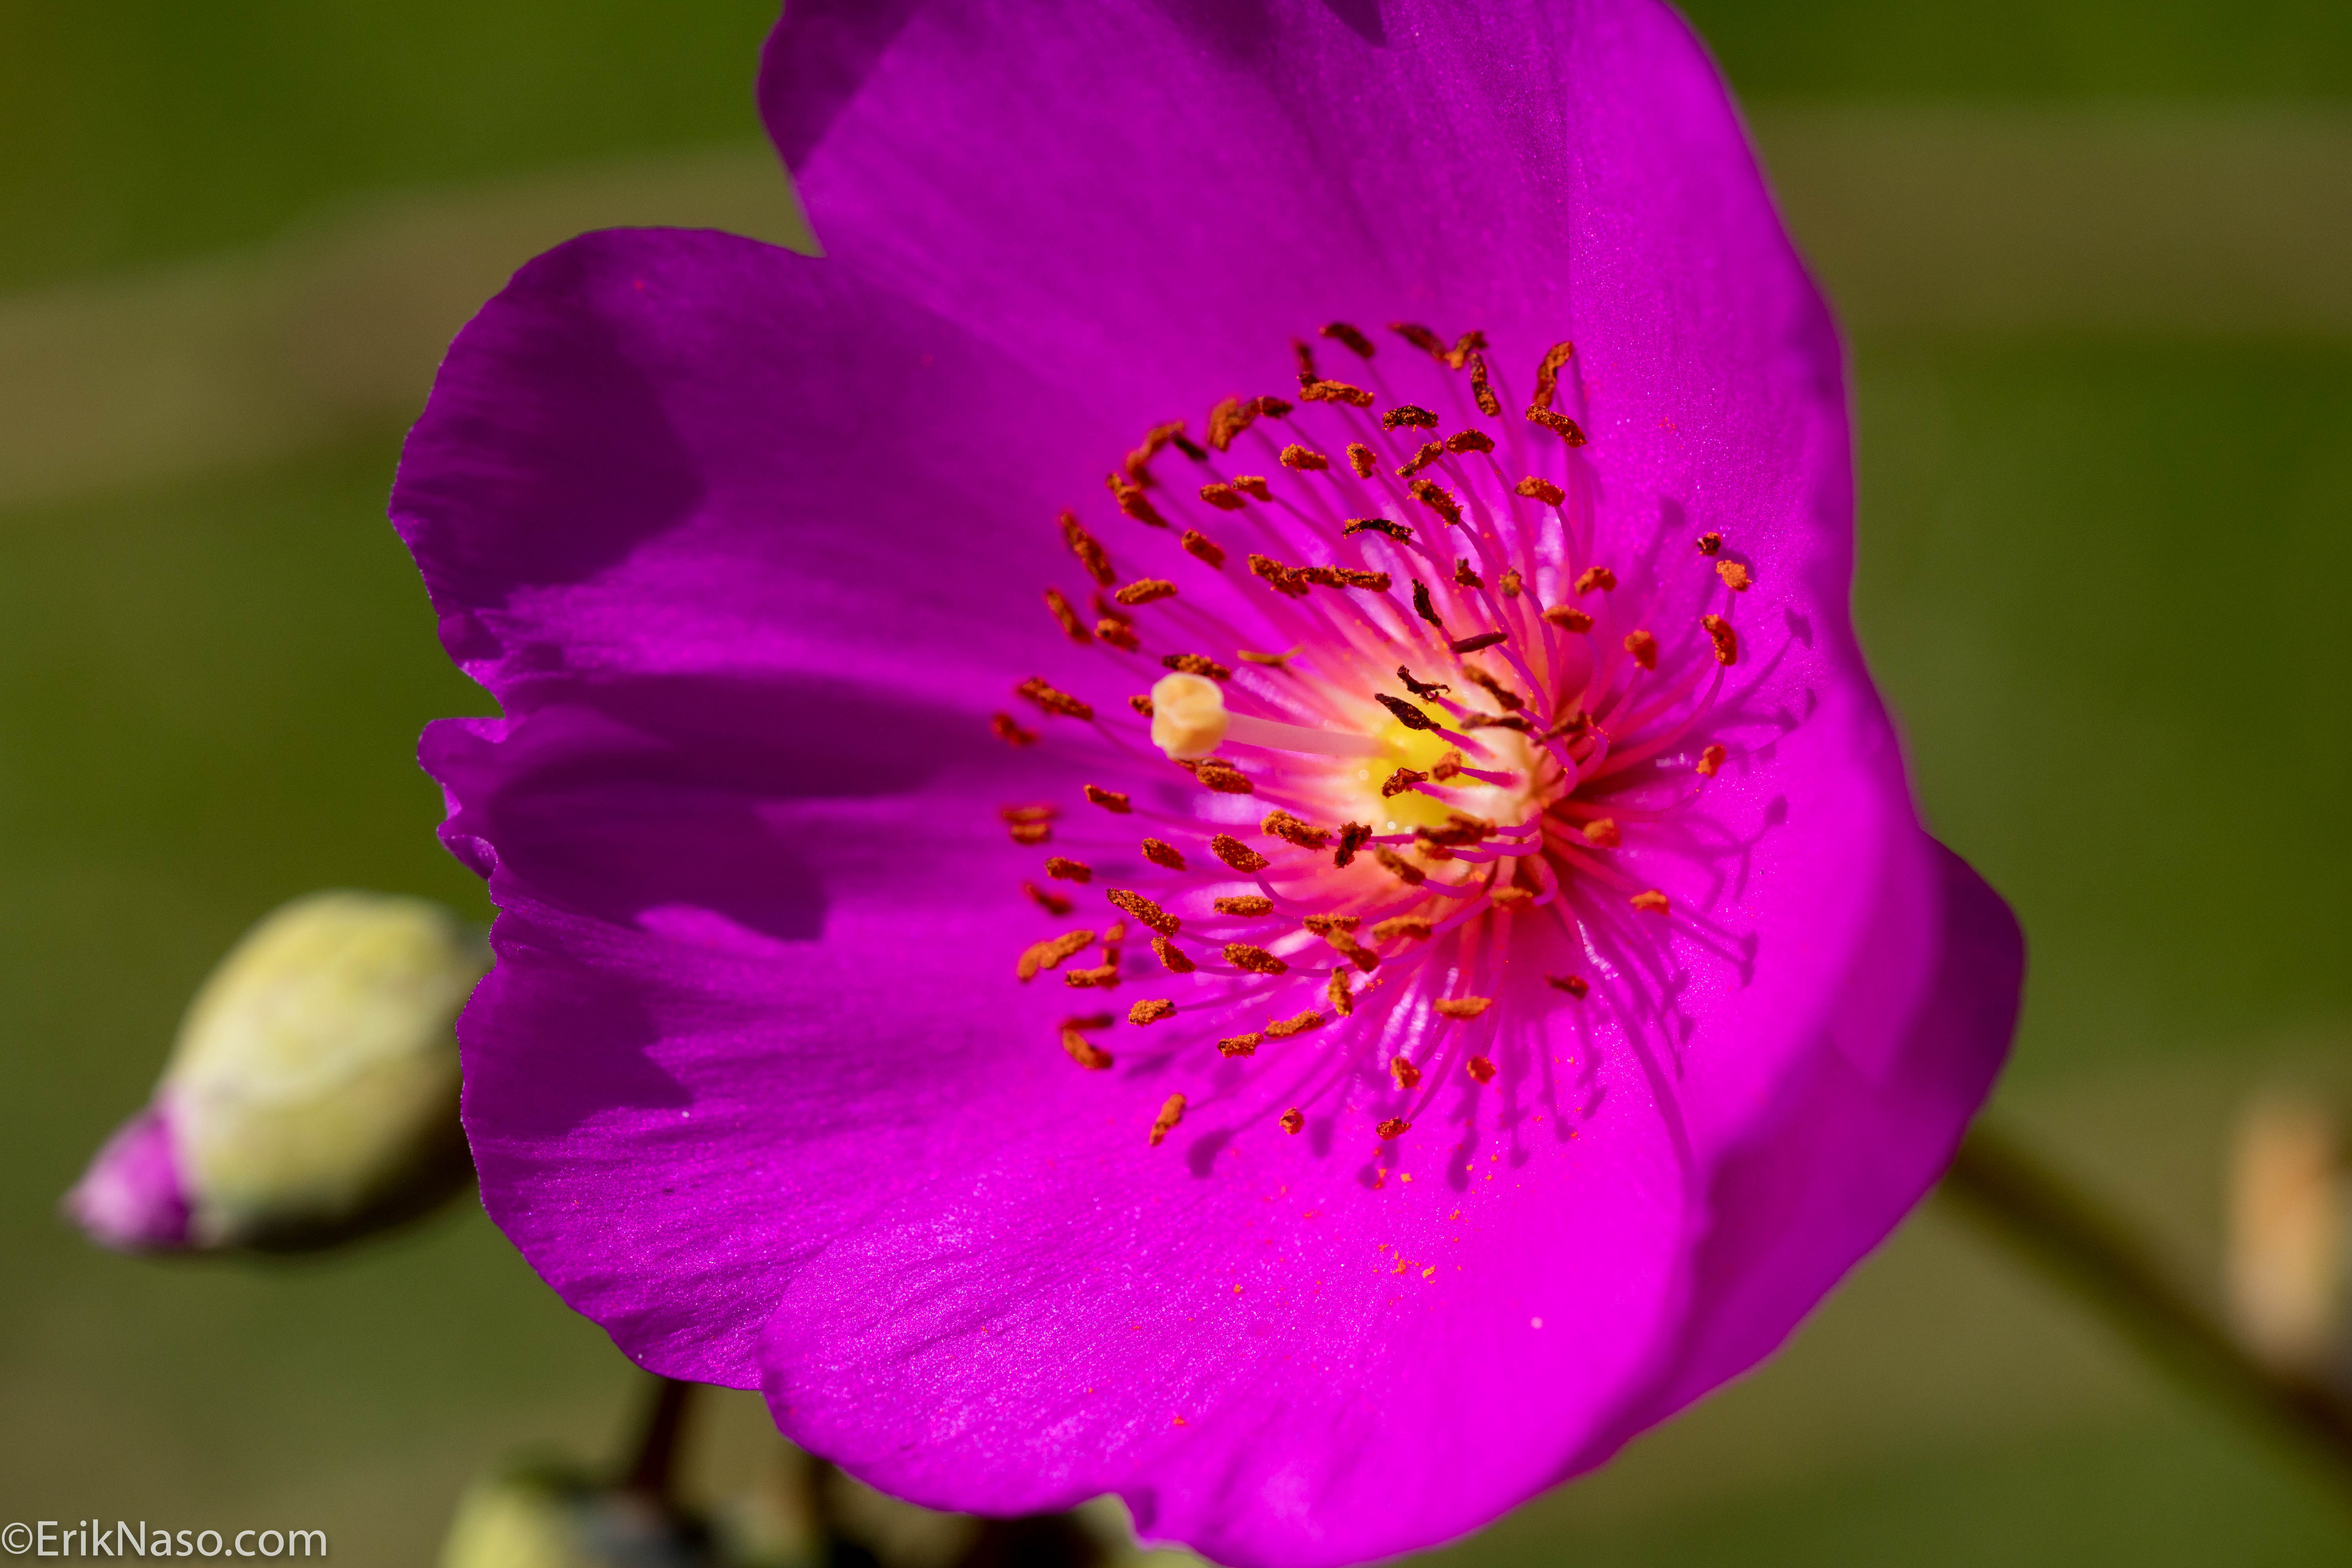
column 652, row 1468
column 1039, row 1541
column 2096, row 1254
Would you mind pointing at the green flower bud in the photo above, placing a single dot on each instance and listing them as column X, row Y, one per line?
column 312, row 1093
column 550, row 1516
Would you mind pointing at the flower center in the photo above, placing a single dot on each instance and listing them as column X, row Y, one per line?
column 1489, row 700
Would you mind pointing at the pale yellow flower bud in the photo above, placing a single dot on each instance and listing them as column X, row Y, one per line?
column 312, row 1093
column 547, row 1517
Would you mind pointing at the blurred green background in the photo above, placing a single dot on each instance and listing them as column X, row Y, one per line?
column 2096, row 258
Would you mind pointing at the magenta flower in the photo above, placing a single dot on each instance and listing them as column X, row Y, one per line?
column 1495, row 991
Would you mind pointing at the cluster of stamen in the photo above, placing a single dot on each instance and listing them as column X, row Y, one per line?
column 1433, row 781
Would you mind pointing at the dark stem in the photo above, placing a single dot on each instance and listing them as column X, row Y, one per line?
column 653, row 1464
column 2096, row 1254
column 1040, row 1541
column 834, row 1549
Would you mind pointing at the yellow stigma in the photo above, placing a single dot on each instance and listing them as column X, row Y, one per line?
column 1416, row 749
column 1188, row 716
column 1419, row 750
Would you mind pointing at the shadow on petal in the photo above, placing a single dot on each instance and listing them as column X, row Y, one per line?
column 659, row 793
column 583, row 1059
column 577, row 482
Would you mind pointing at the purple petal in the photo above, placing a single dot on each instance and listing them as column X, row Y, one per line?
column 131, row 1198
column 669, row 453
column 1145, row 201
column 703, row 957
column 1860, row 1139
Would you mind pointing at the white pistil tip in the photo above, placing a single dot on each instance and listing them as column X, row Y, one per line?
column 1188, row 716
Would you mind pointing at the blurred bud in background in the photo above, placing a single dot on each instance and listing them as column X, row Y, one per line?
column 707, row 1479
column 1114, row 1526
column 548, row 1515
column 311, row 1096
column 2288, row 1257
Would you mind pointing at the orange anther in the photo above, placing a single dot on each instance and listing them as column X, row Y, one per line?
column 1236, row 854
column 1481, row 389
column 1145, row 591
column 1200, row 547
column 1343, row 1001
column 1291, row 830
column 1409, row 927
column 1229, row 418
column 1257, row 960
column 1560, row 424
column 1726, row 640
column 1090, row 553
column 1053, row 903
column 1068, row 614
column 1547, row 371
column 1085, row 1052
column 1049, row 953
column 1051, row 701
column 1144, row 910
